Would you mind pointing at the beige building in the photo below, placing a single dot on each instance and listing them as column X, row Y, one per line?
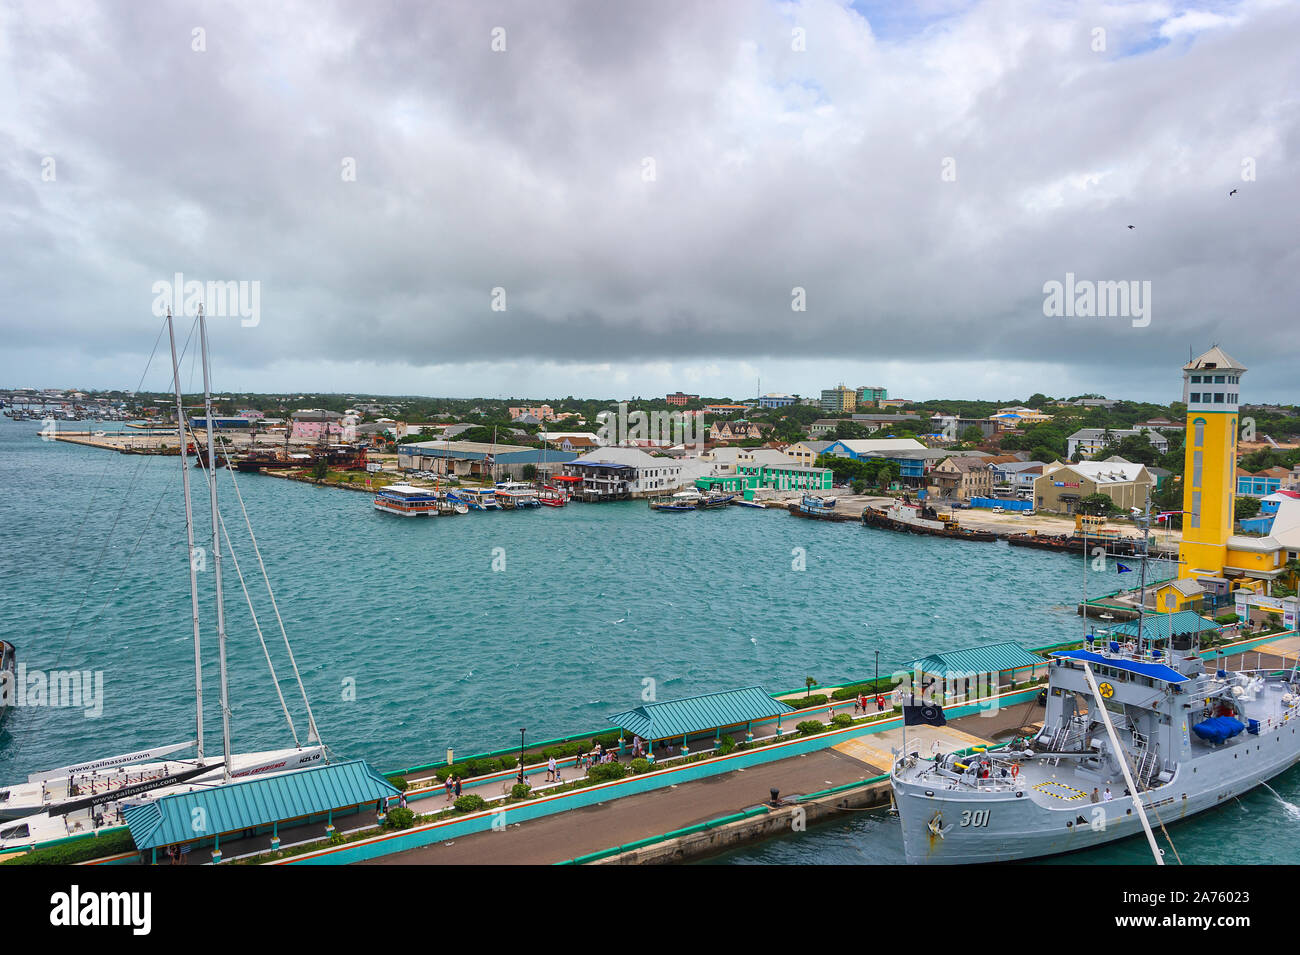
column 962, row 478
column 1062, row 486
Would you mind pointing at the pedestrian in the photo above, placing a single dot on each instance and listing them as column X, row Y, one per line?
column 457, row 787
column 402, row 801
column 1107, row 797
column 857, row 703
column 880, row 703
column 551, row 771
column 447, row 784
column 1096, row 794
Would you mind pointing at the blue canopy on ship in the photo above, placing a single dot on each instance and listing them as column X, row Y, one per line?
column 1156, row 671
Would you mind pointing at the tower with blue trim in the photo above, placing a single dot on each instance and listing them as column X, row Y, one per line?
column 1211, row 389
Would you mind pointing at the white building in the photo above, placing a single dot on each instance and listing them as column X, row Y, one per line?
column 610, row 473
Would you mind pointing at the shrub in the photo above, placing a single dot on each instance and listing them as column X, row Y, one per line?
column 726, row 745
column 469, row 803
column 78, row 851
column 803, row 702
column 606, row 740
column 810, row 727
column 842, row 719
column 1225, row 618
column 520, row 791
column 399, row 818
column 640, row 765
column 400, row 782
column 604, row 772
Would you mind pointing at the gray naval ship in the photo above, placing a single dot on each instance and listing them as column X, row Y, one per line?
column 1134, row 737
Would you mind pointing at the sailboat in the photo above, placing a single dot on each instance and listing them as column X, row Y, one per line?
column 82, row 796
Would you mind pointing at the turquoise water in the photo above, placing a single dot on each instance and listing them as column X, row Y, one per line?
column 442, row 650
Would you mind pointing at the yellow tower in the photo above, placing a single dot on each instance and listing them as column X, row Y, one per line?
column 1211, row 389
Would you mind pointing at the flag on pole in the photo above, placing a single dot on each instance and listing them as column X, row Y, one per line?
column 927, row 713
column 1123, row 569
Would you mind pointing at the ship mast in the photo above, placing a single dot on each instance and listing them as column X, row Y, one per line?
column 216, row 545
column 189, row 535
column 1144, row 522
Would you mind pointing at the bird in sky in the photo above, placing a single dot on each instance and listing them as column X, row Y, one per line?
column 1132, row 227
column 1233, row 193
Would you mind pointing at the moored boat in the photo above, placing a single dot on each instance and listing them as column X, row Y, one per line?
column 816, row 505
column 515, row 496
column 406, row 500
column 552, row 497
column 903, row 515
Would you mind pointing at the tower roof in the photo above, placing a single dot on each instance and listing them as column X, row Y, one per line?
column 1215, row 358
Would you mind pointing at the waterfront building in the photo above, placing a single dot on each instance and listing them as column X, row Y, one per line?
column 1061, row 486
column 776, row 400
column 1173, row 596
column 1091, row 441
column 613, row 473
column 220, row 424
column 870, row 395
column 785, row 477
column 1211, row 386
column 962, row 477
column 725, row 409
column 476, row 459
column 954, row 425
column 839, row 400
column 680, row 398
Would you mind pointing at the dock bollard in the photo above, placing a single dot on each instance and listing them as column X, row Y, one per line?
column 275, row 843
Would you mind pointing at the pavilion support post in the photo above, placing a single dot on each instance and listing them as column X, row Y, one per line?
column 275, row 834
column 685, row 749
column 749, row 732
column 216, row 850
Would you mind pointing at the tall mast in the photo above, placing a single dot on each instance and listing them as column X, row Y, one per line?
column 1145, row 524
column 216, row 545
column 189, row 535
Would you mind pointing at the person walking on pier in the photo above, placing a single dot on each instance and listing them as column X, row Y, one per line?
column 447, row 784
column 550, row 770
column 1096, row 794
column 457, row 778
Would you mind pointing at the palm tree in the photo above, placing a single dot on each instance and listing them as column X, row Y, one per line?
column 810, row 683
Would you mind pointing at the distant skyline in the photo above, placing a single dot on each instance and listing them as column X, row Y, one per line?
column 494, row 199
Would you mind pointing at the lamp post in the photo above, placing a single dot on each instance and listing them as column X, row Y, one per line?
column 876, row 686
column 521, row 753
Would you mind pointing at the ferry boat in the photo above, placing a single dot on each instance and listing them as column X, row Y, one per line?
column 911, row 518
column 477, row 498
column 711, row 501
column 513, row 495
column 407, row 501
column 59, row 802
column 1130, row 732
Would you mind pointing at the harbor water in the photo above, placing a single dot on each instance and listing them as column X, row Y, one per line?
column 415, row 636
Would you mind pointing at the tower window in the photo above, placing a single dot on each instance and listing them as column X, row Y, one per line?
column 1198, row 436
column 1196, row 379
column 1218, row 379
column 1218, row 397
column 1196, row 509
column 1195, row 396
column 1196, row 469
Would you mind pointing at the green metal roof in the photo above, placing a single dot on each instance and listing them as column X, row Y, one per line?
column 255, row 802
column 698, row 713
column 991, row 658
column 1159, row 626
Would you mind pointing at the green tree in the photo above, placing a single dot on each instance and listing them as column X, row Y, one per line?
column 1099, row 504
column 320, row 469
column 972, row 435
column 1245, row 508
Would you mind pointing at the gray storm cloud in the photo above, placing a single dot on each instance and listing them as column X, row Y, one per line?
column 648, row 182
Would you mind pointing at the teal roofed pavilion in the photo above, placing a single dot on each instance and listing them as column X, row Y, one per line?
column 254, row 803
column 1161, row 626
column 991, row 658
column 699, row 714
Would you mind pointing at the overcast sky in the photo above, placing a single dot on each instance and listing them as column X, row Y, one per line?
column 649, row 184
